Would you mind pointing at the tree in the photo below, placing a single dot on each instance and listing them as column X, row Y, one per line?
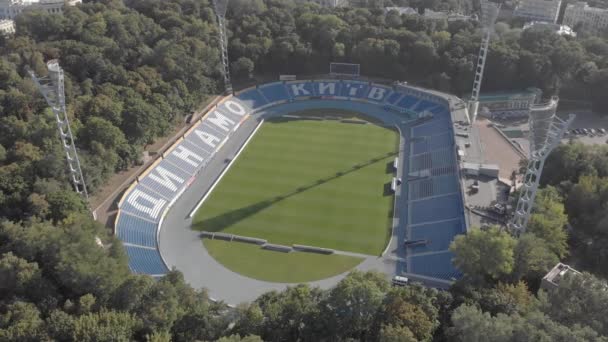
column 243, row 67
column 289, row 315
column 64, row 202
column 237, row 338
column 533, row 257
column 471, row 324
column 400, row 313
column 391, row 333
column 21, row 321
column 585, row 298
column 105, row 326
column 484, row 254
column 549, row 220
column 351, row 306
column 17, row 276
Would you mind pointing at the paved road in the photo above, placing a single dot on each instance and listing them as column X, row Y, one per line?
column 182, row 248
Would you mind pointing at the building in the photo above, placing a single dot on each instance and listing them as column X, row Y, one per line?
column 562, row 30
column 506, row 105
column 7, row 26
column 538, row 10
column 402, row 10
column 433, row 15
column 552, row 279
column 331, row 3
column 11, row 8
column 592, row 19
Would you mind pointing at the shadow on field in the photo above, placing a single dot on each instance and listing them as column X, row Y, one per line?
column 229, row 218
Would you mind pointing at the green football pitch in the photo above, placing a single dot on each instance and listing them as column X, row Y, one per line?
column 318, row 183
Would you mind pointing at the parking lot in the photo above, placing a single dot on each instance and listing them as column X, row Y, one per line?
column 587, row 128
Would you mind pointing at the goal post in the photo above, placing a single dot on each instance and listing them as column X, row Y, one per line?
column 344, row 69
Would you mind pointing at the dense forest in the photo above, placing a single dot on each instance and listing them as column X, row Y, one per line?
column 580, row 173
column 136, row 68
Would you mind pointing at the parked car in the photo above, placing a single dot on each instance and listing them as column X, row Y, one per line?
column 603, row 130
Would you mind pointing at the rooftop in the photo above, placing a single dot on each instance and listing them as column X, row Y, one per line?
column 552, row 279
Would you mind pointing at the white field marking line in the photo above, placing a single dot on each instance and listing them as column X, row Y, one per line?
column 200, row 203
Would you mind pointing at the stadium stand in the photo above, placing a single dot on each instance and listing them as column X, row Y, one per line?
column 145, row 260
column 424, row 105
column 252, row 98
column 432, row 198
column 431, row 143
column 136, row 231
column 433, row 186
column 165, row 179
column 435, row 208
column 408, row 102
column 437, row 265
column 393, row 98
column 274, row 92
column 439, row 235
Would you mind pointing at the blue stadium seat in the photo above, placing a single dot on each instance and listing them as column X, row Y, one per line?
column 436, row 209
column 165, row 179
column 308, row 86
column 431, row 143
column 393, row 98
column 439, row 235
column 275, row 92
column 408, row 102
column 432, row 160
column 424, row 105
column 439, row 111
column 361, row 88
column 432, row 127
column 435, row 265
column 137, row 231
column 151, row 211
column 252, row 98
column 145, row 260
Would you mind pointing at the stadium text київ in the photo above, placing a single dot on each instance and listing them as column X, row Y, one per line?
column 432, row 209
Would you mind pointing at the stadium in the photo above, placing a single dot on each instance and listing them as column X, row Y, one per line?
column 303, row 181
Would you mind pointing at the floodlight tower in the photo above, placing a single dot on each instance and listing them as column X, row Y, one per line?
column 220, row 11
column 489, row 13
column 546, row 132
column 52, row 89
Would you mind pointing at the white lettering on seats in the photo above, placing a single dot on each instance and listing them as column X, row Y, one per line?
column 221, row 121
column 188, row 156
column 207, row 138
column 153, row 206
column 235, row 107
column 376, row 93
column 327, row 86
column 166, row 178
column 298, row 89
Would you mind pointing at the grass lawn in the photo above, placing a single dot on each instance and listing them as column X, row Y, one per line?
column 294, row 267
column 320, row 183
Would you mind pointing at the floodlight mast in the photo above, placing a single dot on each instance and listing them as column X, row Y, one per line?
column 52, row 88
column 220, row 12
column 489, row 13
column 546, row 132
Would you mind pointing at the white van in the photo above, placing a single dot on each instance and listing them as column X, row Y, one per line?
column 400, row 281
